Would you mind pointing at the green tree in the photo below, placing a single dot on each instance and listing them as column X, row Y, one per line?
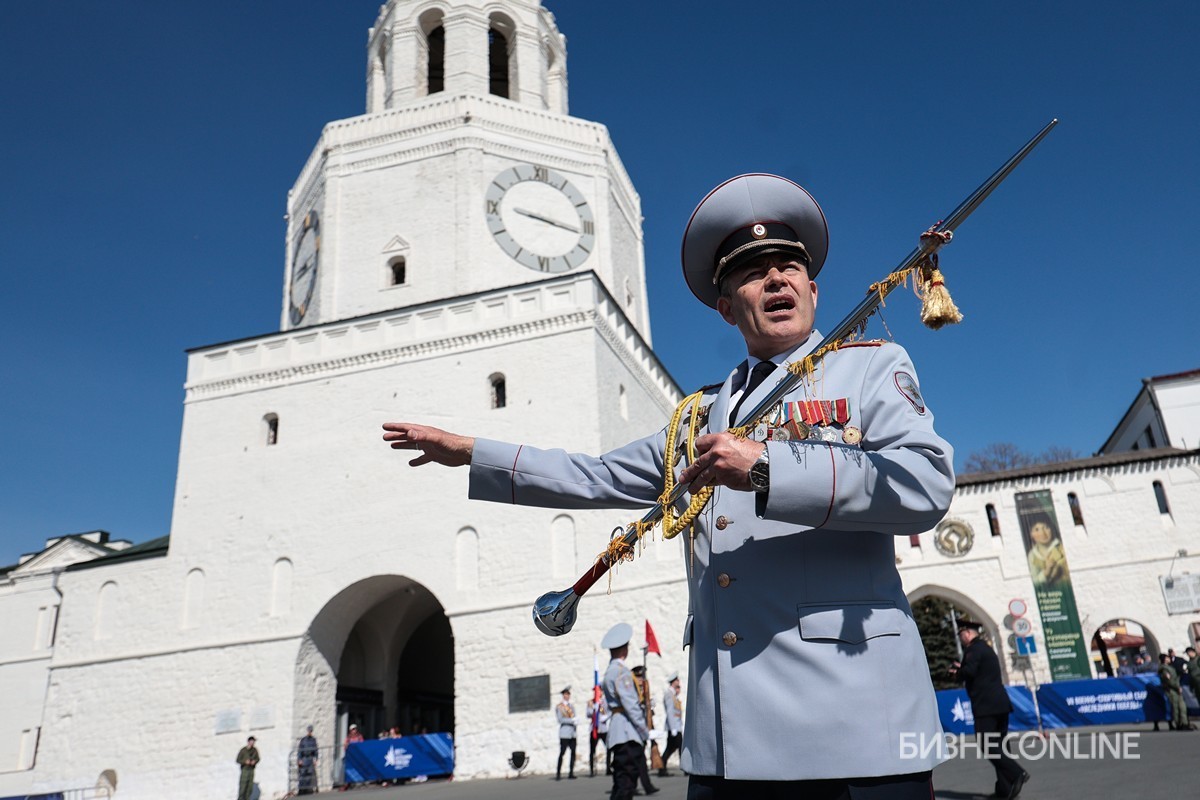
column 932, row 615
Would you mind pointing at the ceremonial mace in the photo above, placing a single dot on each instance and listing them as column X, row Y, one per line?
column 554, row 612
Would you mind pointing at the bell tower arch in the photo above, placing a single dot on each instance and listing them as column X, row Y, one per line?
column 510, row 50
column 467, row 155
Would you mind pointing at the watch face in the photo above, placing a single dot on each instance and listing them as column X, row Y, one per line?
column 540, row 219
column 304, row 267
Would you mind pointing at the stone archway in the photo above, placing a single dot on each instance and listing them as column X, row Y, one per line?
column 1123, row 642
column 960, row 603
column 379, row 654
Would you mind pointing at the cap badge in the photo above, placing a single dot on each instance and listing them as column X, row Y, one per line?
column 758, row 231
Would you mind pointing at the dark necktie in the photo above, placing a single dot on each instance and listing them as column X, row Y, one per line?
column 757, row 375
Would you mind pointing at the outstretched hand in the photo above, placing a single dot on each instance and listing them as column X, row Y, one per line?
column 436, row 445
column 722, row 459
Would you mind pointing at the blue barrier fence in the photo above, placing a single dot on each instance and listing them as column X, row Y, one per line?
column 1068, row 704
column 406, row 757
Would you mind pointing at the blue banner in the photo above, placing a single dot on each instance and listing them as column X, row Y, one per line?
column 1104, row 701
column 1069, row 704
column 406, row 757
column 955, row 710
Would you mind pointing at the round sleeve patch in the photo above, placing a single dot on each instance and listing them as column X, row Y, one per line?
column 907, row 385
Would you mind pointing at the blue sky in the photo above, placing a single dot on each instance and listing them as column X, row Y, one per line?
column 148, row 148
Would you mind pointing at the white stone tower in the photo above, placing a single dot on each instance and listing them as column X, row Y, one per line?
column 465, row 174
column 465, row 254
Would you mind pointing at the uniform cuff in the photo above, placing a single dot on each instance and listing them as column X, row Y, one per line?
column 493, row 466
column 803, row 482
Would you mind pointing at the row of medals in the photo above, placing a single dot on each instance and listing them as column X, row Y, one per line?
column 796, row 429
column 793, row 429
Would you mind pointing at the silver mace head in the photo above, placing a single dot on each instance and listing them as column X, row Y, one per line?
column 554, row 612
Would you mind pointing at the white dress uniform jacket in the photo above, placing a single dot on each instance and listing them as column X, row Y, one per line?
column 565, row 713
column 627, row 723
column 674, row 711
column 805, row 662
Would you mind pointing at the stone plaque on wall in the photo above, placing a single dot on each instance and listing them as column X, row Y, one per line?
column 228, row 721
column 529, row 694
column 1181, row 593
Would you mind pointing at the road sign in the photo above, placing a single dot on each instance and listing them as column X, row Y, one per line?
column 1022, row 626
column 1026, row 646
column 1017, row 607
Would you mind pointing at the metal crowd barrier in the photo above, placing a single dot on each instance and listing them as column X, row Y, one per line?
column 326, row 775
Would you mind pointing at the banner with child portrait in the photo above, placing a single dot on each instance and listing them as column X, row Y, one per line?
column 1065, row 645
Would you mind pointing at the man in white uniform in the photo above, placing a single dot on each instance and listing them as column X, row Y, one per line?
column 806, row 675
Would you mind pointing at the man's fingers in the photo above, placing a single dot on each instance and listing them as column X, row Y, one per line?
column 424, row 458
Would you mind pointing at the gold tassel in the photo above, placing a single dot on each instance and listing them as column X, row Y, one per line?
column 937, row 307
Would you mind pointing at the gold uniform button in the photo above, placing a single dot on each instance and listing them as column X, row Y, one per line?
column 723, row 580
column 730, row 638
column 722, row 522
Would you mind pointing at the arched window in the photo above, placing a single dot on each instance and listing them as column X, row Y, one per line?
column 499, row 390
column 1076, row 511
column 193, row 598
column 436, row 68
column 105, row 611
column 281, row 588
column 502, row 73
column 993, row 519
column 271, row 426
column 497, row 63
column 466, row 559
column 1160, row 494
column 562, row 547
column 397, row 269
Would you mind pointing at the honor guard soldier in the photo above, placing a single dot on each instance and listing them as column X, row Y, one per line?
column 627, row 731
column 598, row 717
column 565, row 713
column 673, row 709
column 806, row 671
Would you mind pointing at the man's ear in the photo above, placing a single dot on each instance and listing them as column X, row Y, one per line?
column 725, row 309
column 812, row 285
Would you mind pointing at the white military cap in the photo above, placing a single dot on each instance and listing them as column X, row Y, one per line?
column 674, row 676
column 748, row 216
column 618, row 635
column 566, row 689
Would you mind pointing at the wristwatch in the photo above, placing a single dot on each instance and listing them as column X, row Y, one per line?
column 760, row 472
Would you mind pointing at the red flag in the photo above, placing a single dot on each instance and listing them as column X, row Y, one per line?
column 651, row 640
column 597, row 697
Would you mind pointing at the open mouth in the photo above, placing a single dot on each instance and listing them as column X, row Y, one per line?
column 781, row 303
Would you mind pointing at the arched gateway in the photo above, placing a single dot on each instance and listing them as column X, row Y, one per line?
column 952, row 602
column 379, row 654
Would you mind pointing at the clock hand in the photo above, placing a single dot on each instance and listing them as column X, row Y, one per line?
column 546, row 220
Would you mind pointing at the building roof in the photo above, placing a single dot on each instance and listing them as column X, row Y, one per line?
column 1058, row 467
column 151, row 549
column 1144, row 396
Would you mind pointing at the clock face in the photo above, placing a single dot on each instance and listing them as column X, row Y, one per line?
column 540, row 219
column 304, row 267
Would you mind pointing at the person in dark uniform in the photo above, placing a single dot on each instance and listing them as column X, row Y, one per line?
column 1169, row 678
column 980, row 671
column 306, row 761
column 247, row 759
